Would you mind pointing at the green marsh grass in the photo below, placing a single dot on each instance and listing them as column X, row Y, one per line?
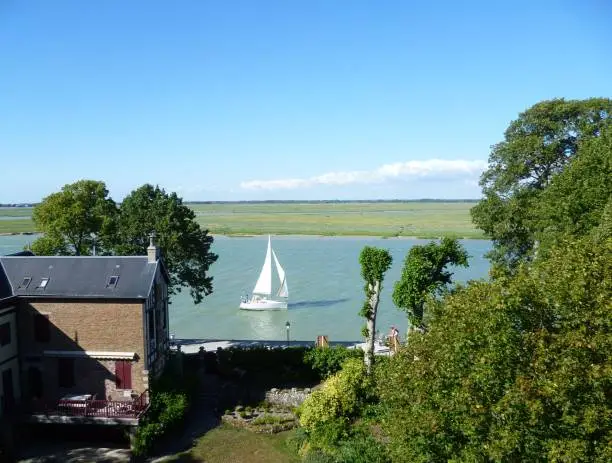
column 387, row 219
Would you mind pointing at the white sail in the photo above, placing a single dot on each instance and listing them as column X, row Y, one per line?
column 283, row 291
column 264, row 282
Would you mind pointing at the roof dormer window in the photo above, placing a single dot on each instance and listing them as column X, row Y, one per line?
column 43, row 283
column 112, row 281
column 24, row 283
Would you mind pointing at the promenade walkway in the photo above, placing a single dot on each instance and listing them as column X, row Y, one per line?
column 192, row 346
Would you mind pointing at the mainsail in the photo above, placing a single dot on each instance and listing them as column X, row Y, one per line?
column 264, row 282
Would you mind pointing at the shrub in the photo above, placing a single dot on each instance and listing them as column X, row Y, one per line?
column 167, row 409
column 267, row 366
column 272, row 419
column 361, row 448
column 327, row 413
column 166, row 413
column 318, row 456
column 328, row 360
column 297, row 440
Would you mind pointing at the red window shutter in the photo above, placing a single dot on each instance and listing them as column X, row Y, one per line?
column 123, row 374
column 119, row 374
column 127, row 375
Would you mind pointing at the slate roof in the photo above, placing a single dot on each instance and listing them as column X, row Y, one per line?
column 79, row 276
column 5, row 287
column 6, row 291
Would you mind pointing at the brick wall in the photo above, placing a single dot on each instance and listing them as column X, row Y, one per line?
column 94, row 325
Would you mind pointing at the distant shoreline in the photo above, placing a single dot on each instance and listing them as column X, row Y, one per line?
column 309, row 235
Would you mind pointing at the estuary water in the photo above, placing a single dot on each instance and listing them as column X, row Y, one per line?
column 325, row 287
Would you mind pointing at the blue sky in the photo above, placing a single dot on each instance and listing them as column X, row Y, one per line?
column 233, row 100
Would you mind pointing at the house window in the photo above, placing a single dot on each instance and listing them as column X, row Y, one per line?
column 24, row 283
column 112, row 281
column 8, row 398
column 151, row 316
column 123, row 374
column 65, row 372
column 162, row 317
column 5, row 334
column 35, row 382
column 42, row 331
column 43, row 283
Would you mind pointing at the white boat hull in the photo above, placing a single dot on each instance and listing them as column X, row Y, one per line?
column 263, row 304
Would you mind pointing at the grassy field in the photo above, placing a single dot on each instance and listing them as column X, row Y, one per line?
column 423, row 219
column 388, row 219
column 226, row 444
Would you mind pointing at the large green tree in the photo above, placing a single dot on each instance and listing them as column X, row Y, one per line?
column 73, row 218
column 425, row 274
column 185, row 245
column 537, row 146
column 518, row 369
column 374, row 264
column 574, row 202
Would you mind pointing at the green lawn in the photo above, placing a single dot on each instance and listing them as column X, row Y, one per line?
column 421, row 219
column 226, row 444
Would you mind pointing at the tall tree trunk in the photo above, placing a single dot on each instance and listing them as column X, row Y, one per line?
column 371, row 326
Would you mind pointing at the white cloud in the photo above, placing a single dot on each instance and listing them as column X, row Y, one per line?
column 430, row 168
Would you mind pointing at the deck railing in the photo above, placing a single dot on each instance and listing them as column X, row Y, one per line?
column 94, row 408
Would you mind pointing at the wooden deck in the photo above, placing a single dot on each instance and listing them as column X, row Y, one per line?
column 89, row 411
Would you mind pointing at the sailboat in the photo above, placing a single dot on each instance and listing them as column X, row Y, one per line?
column 263, row 298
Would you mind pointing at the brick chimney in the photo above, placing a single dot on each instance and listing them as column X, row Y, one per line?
column 152, row 250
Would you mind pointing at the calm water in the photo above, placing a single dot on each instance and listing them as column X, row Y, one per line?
column 326, row 290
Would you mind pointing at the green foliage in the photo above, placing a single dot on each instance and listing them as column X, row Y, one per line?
column 70, row 217
column 327, row 361
column 52, row 244
column 339, row 398
column 271, row 419
column 574, row 202
column 185, row 245
column 318, row 456
column 536, row 148
column 374, row 264
column 272, row 366
column 424, row 274
column 513, row 370
column 166, row 413
column 169, row 403
column 361, row 447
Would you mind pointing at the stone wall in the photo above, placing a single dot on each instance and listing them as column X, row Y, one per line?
column 287, row 397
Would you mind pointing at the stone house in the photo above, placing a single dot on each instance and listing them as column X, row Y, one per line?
column 91, row 332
